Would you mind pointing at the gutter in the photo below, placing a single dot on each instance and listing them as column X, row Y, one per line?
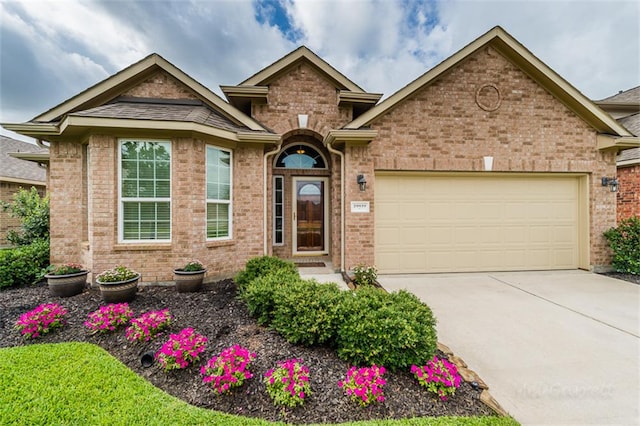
column 265, row 227
column 332, row 150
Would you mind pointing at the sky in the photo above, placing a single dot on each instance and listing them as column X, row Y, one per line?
column 51, row 50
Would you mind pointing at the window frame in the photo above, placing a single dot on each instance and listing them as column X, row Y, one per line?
column 277, row 178
column 122, row 200
column 208, row 200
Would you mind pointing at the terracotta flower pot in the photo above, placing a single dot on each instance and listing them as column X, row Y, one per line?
column 188, row 281
column 67, row 285
column 119, row 291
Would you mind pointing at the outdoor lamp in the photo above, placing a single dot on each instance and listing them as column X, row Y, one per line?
column 362, row 182
column 612, row 183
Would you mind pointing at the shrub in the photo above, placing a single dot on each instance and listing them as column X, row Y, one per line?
column 625, row 243
column 229, row 369
column 148, row 325
column 24, row 265
column 33, row 212
column 262, row 292
column 364, row 385
column 288, row 384
column 109, row 317
column 181, row 349
column 308, row 313
column 260, row 266
column 395, row 330
column 365, row 275
column 41, row 320
column 438, row 376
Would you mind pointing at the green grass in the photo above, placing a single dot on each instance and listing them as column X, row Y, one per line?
column 80, row 383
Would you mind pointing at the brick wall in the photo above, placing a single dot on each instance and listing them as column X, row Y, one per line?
column 488, row 106
column 628, row 195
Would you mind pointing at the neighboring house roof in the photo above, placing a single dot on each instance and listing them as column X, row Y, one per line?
column 16, row 170
column 631, row 96
column 504, row 43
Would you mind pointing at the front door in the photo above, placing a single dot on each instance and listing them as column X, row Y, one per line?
column 310, row 211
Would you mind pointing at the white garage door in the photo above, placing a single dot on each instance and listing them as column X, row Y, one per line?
column 457, row 223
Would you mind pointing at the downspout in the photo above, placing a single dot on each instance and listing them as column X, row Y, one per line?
column 342, row 194
column 264, row 196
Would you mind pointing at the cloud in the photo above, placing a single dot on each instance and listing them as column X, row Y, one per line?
column 52, row 50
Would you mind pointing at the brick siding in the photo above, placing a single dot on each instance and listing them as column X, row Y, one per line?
column 629, row 192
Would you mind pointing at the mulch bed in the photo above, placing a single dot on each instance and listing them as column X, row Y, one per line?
column 217, row 313
column 622, row 276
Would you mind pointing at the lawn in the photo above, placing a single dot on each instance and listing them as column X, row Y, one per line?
column 80, row 383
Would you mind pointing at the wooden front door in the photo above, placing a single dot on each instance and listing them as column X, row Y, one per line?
column 309, row 215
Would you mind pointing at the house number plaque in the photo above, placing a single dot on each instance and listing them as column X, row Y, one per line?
column 359, row 207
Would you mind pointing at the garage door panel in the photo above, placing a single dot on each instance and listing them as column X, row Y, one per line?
column 475, row 223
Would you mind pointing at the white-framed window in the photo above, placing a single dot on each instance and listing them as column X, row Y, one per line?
column 219, row 186
column 278, row 210
column 144, row 190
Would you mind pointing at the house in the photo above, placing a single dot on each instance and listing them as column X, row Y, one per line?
column 15, row 174
column 490, row 161
column 625, row 107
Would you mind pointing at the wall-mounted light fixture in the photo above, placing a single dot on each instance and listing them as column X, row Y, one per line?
column 612, row 183
column 362, row 182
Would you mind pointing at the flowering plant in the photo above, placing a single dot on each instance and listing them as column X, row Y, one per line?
column 109, row 317
column 181, row 349
column 192, row 266
column 116, row 274
column 438, row 376
column 365, row 275
column 229, row 369
column 66, row 269
column 289, row 383
column 364, row 385
column 41, row 320
column 148, row 325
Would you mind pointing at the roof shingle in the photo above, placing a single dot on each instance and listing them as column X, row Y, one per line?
column 19, row 169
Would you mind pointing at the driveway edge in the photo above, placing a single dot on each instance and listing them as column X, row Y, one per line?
column 471, row 376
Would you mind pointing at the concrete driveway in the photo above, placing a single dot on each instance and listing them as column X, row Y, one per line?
column 559, row 347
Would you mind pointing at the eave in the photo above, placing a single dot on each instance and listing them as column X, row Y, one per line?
column 617, row 143
column 346, row 97
column 354, row 137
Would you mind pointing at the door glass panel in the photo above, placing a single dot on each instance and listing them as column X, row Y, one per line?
column 310, row 215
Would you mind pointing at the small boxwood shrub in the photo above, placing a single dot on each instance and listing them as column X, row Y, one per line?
column 308, row 313
column 395, row 330
column 624, row 240
column 24, row 264
column 260, row 266
column 261, row 293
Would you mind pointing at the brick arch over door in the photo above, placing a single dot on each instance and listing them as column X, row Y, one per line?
column 300, row 219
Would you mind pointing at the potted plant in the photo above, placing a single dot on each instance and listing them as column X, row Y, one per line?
column 189, row 278
column 119, row 284
column 66, row 280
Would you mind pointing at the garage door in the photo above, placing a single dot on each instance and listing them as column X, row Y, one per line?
column 457, row 223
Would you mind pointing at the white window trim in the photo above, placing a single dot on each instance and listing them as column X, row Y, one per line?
column 121, row 201
column 282, row 229
column 212, row 200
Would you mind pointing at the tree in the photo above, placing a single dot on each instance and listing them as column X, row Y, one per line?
column 33, row 212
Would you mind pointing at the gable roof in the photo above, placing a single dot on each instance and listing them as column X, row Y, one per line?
column 508, row 46
column 74, row 113
column 302, row 53
column 16, row 170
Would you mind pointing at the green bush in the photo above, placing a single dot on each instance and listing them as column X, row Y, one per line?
column 394, row 330
column 33, row 212
column 261, row 293
column 260, row 266
column 23, row 265
column 308, row 313
column 625, row 243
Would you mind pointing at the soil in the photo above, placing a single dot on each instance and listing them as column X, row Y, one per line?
column 217, row 313
column 622, row 276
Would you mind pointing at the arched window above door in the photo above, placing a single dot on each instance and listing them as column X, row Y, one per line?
column 299, row 156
